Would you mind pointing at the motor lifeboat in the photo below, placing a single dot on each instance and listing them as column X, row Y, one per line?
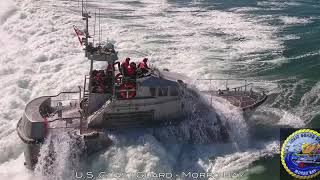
column 108, row 99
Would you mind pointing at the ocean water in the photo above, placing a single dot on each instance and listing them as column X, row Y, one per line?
column 275, row 43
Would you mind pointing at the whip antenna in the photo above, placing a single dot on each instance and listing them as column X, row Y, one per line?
column 94, row 27
column 99, row 27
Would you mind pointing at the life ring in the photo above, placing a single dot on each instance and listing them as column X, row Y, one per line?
column 128, row 90
column 83, row 103
column 118, row 78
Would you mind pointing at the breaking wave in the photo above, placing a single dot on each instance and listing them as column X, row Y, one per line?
column 59, row 157
column 7, row 9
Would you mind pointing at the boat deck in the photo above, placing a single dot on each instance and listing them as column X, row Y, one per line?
column 239, row 96
column 66, row 114
column 241, row 99
column 70, row 119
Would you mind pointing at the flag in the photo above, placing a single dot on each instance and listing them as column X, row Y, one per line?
column 79, row 33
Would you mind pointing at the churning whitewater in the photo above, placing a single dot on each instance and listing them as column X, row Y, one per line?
column 40, row 55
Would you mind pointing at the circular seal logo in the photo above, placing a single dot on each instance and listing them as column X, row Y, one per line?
column 300, row 154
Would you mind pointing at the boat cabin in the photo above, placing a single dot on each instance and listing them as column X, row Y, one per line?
column 111, row 96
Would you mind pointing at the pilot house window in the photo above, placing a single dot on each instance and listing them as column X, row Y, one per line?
column 174, row 91
column 153, row 91
column 163, row 91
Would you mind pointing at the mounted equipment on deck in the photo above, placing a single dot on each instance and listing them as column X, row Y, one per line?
column 243, row 97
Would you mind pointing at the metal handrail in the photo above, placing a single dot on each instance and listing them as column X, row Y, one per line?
column 63, row 92
column 231, row 79
column 61, row 98
column 242, row 86
column 64, row 119
column 224, row 79
column 220, row 79
column 239, row 90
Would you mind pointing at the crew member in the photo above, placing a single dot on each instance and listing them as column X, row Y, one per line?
column 143, row 64
column 124, row 66
column 108, row 78
column 132, row 70
column 99, row 78
column 109, row 70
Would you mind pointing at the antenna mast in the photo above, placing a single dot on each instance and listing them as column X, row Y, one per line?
column 99, row 27
column 85, row 17
column 94, row 27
